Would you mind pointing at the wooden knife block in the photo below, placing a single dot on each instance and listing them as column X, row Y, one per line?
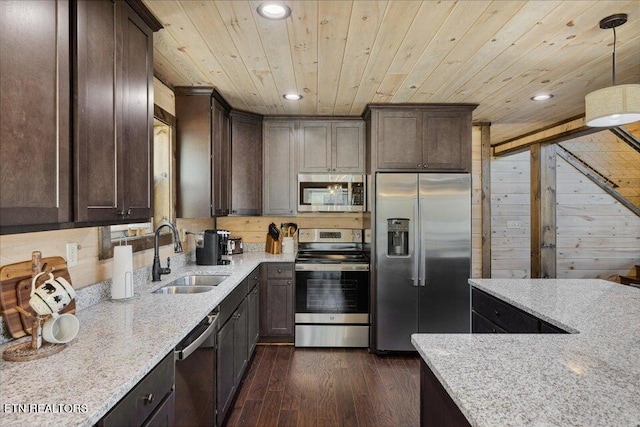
column 273, row 246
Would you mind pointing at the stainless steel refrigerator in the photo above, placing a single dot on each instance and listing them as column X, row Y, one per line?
column 423, row 256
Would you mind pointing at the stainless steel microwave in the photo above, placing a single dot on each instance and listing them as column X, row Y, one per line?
column 331, row 193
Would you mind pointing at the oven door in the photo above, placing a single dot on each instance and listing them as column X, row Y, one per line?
column 332, row 305
column 332, row 293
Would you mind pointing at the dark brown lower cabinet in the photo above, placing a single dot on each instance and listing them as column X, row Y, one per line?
column 253, row 311
column 150, row 402
column 492, row 315
column 232, row 359
column 277, row 304
column 237, row 338
column 437, row 409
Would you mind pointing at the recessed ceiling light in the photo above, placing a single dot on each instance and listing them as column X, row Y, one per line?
column 292, row 96
column 542, row 97
column 274, row 10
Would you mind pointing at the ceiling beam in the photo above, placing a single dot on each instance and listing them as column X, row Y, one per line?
column 568, row 129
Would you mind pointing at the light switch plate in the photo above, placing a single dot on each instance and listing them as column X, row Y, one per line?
column 72, row 254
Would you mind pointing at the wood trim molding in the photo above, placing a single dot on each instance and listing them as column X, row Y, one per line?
column 485, row 173
column 556, row 133
column 543, row 211
column 163, row 115
column 145, row 14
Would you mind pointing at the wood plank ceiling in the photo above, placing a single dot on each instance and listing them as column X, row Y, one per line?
column 341, row 55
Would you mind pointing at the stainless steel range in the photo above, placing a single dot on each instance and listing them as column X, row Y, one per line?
column 332, row 289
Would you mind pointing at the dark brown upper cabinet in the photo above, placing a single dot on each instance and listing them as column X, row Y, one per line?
column 331, row 146
column 433, row 138
column 90, row 61
column 113, row 113
column 246, row 163
column 221, row 161
column 204, row 153
column 35, row 155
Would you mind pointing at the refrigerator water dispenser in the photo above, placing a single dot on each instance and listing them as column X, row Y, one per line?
column 397, row 237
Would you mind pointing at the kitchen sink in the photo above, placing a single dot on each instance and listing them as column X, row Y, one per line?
column 200, row 280
column 193, row 284
column 169, row 289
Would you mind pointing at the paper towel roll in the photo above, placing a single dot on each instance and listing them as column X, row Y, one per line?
column 122, row 282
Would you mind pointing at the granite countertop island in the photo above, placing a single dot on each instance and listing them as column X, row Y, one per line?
column 590, row 377
column 118, row 344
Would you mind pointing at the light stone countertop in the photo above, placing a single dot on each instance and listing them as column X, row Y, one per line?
column 118, row 344
column 590, row 377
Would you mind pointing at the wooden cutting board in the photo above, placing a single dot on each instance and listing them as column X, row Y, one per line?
column 15, row 289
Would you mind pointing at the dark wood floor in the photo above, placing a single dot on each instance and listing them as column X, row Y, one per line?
column 286, row 386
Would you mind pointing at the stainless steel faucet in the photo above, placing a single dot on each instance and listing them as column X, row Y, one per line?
column 157, row 270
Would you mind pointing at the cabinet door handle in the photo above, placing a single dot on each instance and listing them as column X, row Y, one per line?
column 148, row 398
column 328, row 169
column 279, row 271
column 418, row 165
column 496, row 312
column 288, row 282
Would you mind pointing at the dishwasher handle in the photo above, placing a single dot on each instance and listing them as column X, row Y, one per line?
column 211, row 324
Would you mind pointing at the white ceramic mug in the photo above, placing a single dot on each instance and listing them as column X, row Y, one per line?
column 52, row 296
column 60, row 328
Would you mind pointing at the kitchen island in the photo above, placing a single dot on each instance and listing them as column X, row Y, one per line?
column 118, row 344
column 588, row 377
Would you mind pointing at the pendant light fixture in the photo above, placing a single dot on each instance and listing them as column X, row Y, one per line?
column 615, row 105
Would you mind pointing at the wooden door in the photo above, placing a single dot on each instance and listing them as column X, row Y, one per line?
column 97, row 115
column 279, row 307
column 136, row 145
column 246, row 164
column 221, row 160
column 399, row 136
column 193, row 113
column 447, row 141
column 314, row 143
column 240, row 342
column 280, row 175
column 34, row 103
column 253, row 320
column 347, row 153
column 225, row 375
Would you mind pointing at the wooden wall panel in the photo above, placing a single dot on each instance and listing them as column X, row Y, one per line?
column 597, row 237
column 253, row 229
column 164, row 97
column 510, row 201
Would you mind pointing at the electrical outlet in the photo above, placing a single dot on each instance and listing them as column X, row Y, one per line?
column 514, row 224
column 72, row 254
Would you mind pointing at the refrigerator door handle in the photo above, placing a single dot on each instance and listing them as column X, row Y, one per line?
column 416, row 244
column 422, row 259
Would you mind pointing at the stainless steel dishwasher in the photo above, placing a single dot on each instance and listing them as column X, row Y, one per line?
column 196, row 375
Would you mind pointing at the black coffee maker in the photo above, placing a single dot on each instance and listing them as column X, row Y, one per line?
column 208, row 248
column 211, row 245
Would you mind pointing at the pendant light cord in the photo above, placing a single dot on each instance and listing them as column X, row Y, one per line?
column 614, row 56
